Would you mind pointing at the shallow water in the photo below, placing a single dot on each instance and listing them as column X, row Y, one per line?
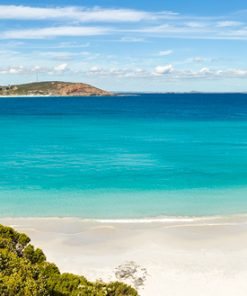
column 122, row 157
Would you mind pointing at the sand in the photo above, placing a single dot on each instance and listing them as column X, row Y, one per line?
column 190, row 256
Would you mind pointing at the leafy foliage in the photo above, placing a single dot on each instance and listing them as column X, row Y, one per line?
column 24, row 271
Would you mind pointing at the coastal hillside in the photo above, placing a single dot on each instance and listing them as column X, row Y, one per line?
column 25, row 271
column 52, row 88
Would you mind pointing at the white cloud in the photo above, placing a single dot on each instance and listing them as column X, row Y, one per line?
column 165, row 52
column 161, row 70
column 95, row 69
column 207, row 73
column 15, row 70
column 63, row 55
column 204, row 70
column 72, row 45
column 117, row 72
column 196, row 24
column 132, row 39
column 82, row 14
column 181, row 30
column 61, row 68
column 224, row 24
column 238, row 72
column 239, row 34
column 135, row 71
column 54, row 32
column 140, row 24
column 12, row 70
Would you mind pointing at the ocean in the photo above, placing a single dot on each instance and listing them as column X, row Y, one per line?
column 133, row 156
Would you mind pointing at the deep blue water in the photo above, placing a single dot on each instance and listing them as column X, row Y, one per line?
column 126, row 156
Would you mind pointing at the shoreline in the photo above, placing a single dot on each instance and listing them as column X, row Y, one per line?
column 53, row 96
column 216, row 219
column 200, row 257
column 137, row 93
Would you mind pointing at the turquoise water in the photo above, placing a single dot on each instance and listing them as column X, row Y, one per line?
column 122, row 157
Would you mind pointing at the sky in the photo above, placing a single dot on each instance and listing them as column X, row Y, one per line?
column 149, row 46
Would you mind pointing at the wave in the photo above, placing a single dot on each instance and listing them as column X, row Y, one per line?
column 205, row 220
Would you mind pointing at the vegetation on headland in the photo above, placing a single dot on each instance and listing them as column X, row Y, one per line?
column 52, row 88
column 24, row 271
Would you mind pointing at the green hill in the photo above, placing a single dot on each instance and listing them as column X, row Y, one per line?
column 52, row 88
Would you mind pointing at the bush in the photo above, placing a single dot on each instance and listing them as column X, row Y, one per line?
column 24, row 271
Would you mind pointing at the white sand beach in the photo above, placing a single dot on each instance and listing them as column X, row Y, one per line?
column 195, row 257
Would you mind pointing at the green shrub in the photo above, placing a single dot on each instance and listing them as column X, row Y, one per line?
column 24, row 271
column 35, row 256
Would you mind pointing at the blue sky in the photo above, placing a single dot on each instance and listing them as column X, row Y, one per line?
column 126, row 45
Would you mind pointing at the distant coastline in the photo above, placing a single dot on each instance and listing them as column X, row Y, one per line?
column 72, row 89
column 51, row 88
column 124, row 93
